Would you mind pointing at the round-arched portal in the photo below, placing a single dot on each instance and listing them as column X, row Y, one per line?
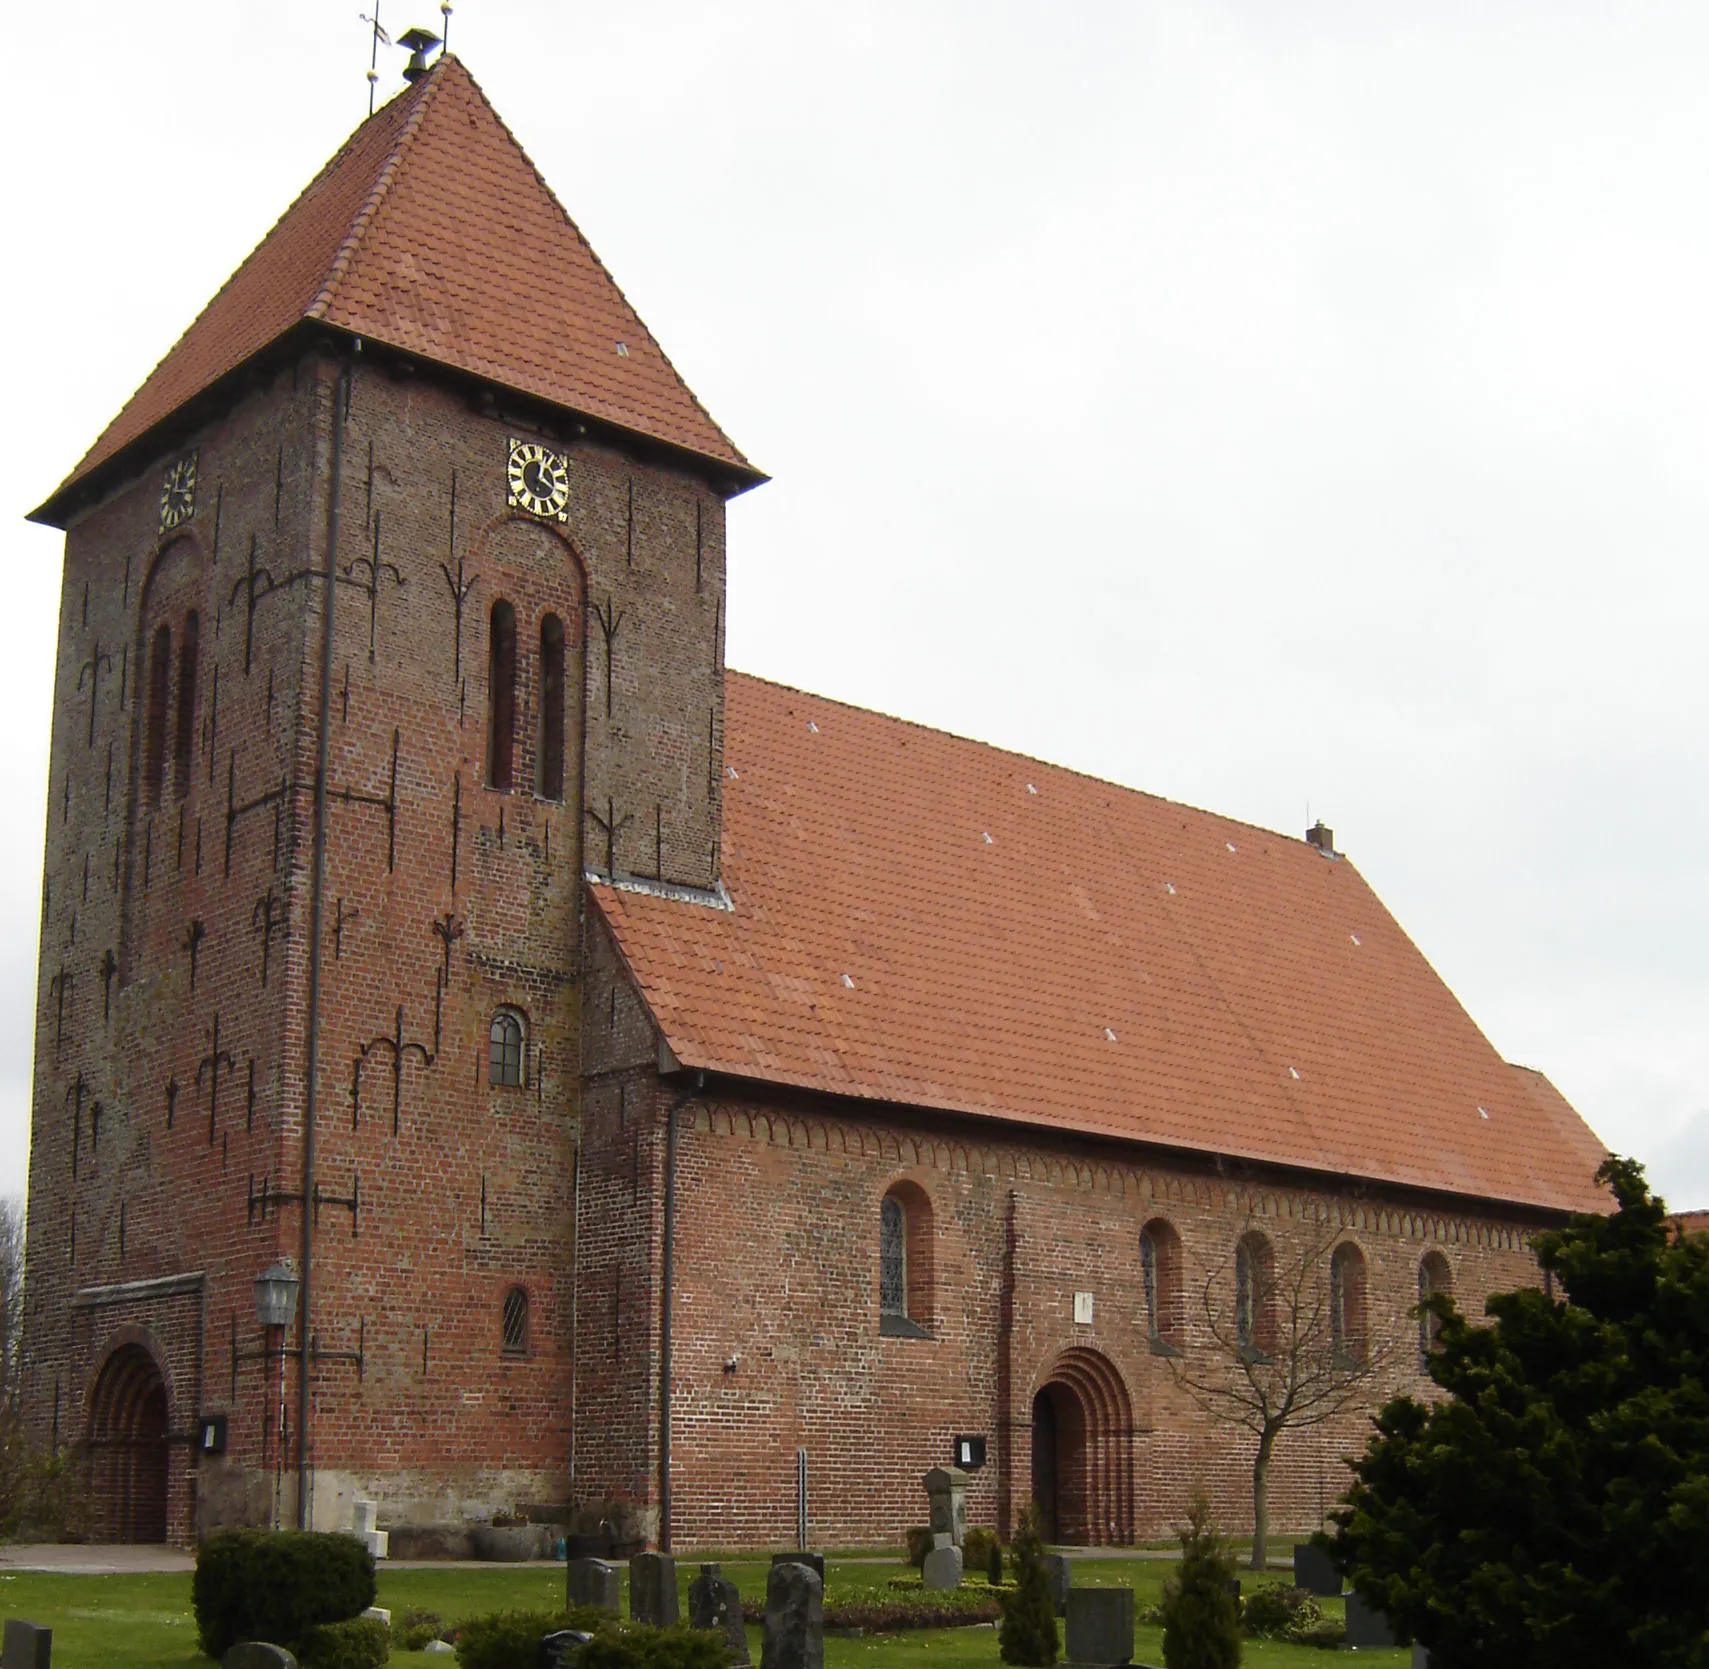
column 1082, row 1452
column 128, row 1425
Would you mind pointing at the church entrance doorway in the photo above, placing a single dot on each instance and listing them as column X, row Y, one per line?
column 128, row 1449
column 1082, row 1452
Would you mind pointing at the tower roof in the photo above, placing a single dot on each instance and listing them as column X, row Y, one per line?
column 431, row 231
column 924, row 920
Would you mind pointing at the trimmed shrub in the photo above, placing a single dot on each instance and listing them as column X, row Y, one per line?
column 1201, row 1617
column 919, row 1545
column 1027, row 1633
column 511, row 1640
column 411, row 1630
column 891, row 1607
column 1327, row 1634
column 640, row 1647
column 360, row 1643
column 976, row 1549
column 1276, row 1611
column 277, row 1585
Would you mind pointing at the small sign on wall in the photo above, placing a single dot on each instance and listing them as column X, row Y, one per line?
column 1083, row 1309
column 210, row 1434
column 970, row 1453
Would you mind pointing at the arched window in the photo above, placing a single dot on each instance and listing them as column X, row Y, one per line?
column 513, row 1338
column 905, row 1261
column 154, row 712
column 504, row 1059
column 184, row 742
column 501, row 696
column 549, row 753
column 1160, row 1267
column 1254, row 1295
column 1434, row 1276
column 1347, row 1304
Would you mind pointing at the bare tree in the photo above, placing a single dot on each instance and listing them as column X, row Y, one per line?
column 1290, row 1345
column 11, row 1301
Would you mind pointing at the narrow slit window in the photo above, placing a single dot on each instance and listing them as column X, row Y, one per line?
column 501, row 697
column 892, row 1258
column 549, row 755
column 154, row 713
column 514, row 1333
column 184, row 742
column 1434, row 1277
column 504, row 1065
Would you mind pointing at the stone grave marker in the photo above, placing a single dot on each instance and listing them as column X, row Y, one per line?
column 592, row 1582
column 1061, row 1578
column 1421, row 1658
column 1314, row 1572
column 28, row 1646
column 249, row 1654
column 946, row 1491
column 1100, row 1626
column 558, row 1651
column 652, row 1589
column 942, row 1568
column 815, row 1561
column 714, row 1603
column 794, row 1619
column 1366, row 1626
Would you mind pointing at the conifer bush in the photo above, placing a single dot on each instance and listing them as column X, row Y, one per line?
column 1201, row 1617
column 277, row 1585
column 358, row 1643
column 1027, row 1633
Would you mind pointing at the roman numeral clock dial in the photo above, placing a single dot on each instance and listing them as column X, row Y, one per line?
column 539, row 480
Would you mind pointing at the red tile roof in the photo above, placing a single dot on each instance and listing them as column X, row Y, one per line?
column 430, row 231
column 925, row 920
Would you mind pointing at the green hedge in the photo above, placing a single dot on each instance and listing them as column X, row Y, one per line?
column 360, row 1643
column 511, row 1640
column 277, row 1585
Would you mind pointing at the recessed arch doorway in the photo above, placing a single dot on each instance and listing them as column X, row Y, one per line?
column 128, row 1427
column 1082, row 1451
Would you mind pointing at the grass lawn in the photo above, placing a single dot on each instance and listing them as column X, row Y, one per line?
column 145, row 1622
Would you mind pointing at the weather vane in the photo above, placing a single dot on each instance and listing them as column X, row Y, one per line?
column 379, row 35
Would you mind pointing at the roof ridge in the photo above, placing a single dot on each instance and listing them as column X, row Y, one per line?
column 364, row 217
column 594, row 256
column 1025, row 758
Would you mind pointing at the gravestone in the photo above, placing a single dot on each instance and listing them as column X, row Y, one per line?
column 439, row 1647
column 794, row 1619
column 1366, row 1626
column 814, row 1561
column 591, row 1582
column 946, row 1491
column 246, row 1654
column 1314, row 1572
column 652, row 1589
column 559, row 1650
column 1100, row 1626
column 379, row 1614
column 27, row 1646
column 1421, row 1658
column 1061, row 1579
column 714, row 1603
column 942, row 1569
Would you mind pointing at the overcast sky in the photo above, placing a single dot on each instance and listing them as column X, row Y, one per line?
column 1263, row 405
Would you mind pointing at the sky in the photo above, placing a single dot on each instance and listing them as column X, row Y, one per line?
column 1298, row 411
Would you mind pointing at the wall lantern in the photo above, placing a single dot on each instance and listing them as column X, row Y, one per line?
column 276, row 1295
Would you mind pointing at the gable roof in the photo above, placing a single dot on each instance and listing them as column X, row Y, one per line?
column 431, row 231
column 1026, row 943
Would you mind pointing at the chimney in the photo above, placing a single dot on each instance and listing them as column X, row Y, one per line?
column 419, row 43
column 1322, row 837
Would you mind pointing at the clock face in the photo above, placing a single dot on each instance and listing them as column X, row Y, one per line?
column 539, row 480
column 178, row 493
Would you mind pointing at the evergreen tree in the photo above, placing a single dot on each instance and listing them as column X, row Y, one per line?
column 1027, row 1633
column 1201, row 1616
column 1553, row 1508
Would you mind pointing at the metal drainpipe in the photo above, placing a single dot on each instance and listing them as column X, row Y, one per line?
column 317, row 878
column 665, row 1313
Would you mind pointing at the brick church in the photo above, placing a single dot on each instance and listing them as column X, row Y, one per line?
column 681, row 1103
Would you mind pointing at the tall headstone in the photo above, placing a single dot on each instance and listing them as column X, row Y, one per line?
column 946, row 1491
column 942, row 1568
column 1061, row 1578
column 714, row 1603
column 27, row 1646
column 1421, row 1658
column 247, row 1654
column 591, row 1582
column 794, row 1619
column 1100, row 1626
column 1314, row 1572
column 652, row 1589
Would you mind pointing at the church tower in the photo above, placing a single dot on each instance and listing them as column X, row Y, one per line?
column 393, row 604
